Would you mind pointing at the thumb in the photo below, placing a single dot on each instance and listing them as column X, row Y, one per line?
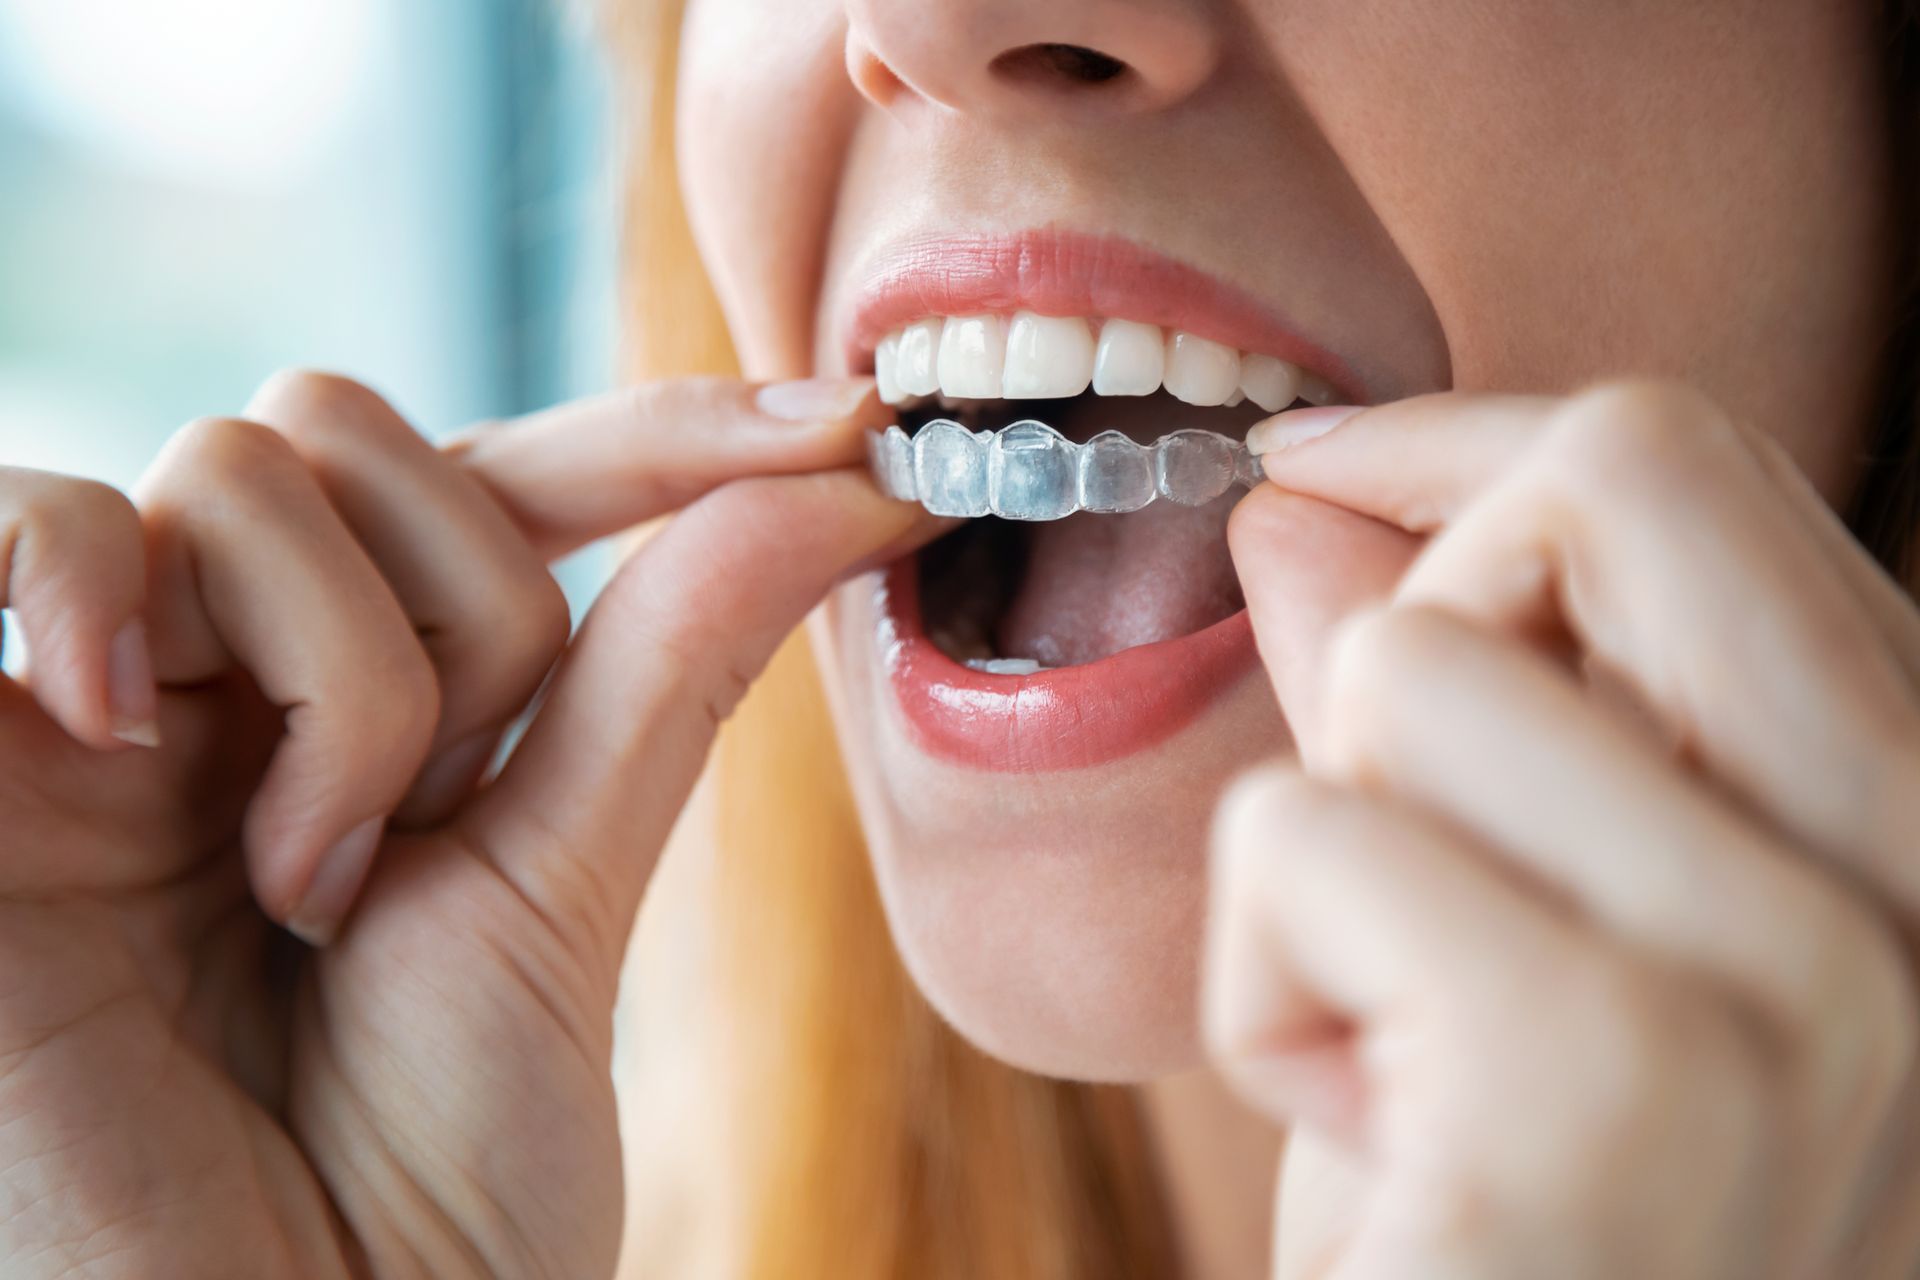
column 1305, row 566
column 581, row 810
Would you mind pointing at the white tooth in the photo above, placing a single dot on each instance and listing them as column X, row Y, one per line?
column 886, row 369
column 1199, row 371
column 1129, row 360
column 1316, row 390
column 1048, row 357
column 1272, row 384
column 918, row 371
column 973, row 354
column 1238, row 397
column 1006, row 666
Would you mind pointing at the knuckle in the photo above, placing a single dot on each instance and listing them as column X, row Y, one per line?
column 1860, row 996
column 540, row 624
column 1848, row 949
column 398, row 707
column 705, row 662
column 57, row 507
column 1264, row 801
column 508, row 652
column 1623, row 1010
column 1664, row 1056
column 1617, row 434
column 1884, row 785
column 1887, row 1065
column 653, row 398
column 229, row 451
column 1454, row 1213
column 97, row 505
column 1899, row 797
column 1319, row 816
column 725, row 686
column 1374, row 657
column 1632, row 1030
column 310, row 403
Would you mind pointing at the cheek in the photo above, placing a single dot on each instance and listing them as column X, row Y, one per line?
column 1593, row 190
column 763, row 115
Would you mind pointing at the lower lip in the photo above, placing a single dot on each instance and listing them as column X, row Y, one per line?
column 1068, row 718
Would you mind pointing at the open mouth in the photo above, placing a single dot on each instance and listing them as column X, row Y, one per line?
column 1045, row 644
column 1008, row 597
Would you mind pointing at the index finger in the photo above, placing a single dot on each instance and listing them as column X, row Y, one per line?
column 1418, row 463
column 591, row 468
column 1413, row 463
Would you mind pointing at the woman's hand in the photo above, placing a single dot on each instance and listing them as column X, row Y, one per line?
column 1550, row 983
column 326, row 624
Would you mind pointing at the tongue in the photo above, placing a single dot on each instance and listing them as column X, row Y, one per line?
column 1097, row 584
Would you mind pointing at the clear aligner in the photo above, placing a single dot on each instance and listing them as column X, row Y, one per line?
column 1029, row 471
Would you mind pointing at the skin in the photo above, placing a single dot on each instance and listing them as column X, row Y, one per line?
column 311, row 609
column 1543, row 231
column 1543, row 981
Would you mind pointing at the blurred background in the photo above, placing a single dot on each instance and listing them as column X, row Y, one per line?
column 194, row 193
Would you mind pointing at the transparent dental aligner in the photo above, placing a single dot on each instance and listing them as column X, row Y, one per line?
column 1029, row 471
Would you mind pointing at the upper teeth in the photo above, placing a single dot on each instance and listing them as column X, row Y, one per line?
column 1035, row 357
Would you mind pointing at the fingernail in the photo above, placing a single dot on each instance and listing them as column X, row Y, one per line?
column 133, row 700
column 336, row 881
column 1297, row 426
column 447, row 778
column 815, row 399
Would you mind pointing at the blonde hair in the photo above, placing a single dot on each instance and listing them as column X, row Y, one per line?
column 874, row 1142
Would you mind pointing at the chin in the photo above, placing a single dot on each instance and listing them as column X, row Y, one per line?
column 1052, row 916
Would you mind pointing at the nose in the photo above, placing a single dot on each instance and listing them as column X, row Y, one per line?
column 1005, row 57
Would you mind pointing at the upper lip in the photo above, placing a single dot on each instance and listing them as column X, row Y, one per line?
column 1070, row 273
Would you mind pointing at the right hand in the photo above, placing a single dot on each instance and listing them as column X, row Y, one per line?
column 328, row 623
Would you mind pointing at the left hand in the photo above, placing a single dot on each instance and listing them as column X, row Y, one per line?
column 1541, row 988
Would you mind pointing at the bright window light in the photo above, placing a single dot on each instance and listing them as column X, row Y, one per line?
column 234, row 92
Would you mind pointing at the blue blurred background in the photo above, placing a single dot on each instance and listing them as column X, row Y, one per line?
column 194, row 193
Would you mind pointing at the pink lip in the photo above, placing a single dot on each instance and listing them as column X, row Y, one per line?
column 1070, row 273
column 1067, row 718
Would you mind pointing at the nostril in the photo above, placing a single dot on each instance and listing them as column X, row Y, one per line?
column 1081, row 63
column 1072, row 62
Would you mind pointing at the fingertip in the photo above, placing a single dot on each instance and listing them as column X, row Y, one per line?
column 73, row 570
column 335, row 883
column 96, row 685
column 133, row 696
column 1294, row 427
column 308, row 838
column 824, row 402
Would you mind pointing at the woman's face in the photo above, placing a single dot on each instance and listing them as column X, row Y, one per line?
column 1397, row 196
